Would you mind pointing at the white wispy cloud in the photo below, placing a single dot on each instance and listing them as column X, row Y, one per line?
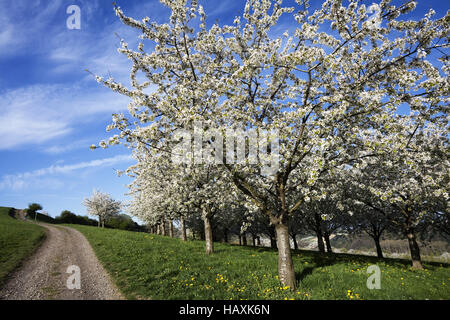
column 23, row 22
column 48, row 111
column 75, row 145
column 39, row 113
column 46, row 176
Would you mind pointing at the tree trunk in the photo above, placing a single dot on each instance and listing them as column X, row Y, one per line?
column 225, row 235
column 208, row 234
column 378, row 246
column 320, row 243
column 318, row 229
column 171, row 228
column 244, row 239
column 294, row 239
column 415, row 250
column 286, row 271
column 258, row 241
column 326, row 235
column 98, row 226
column 253, row 240
column 183, row 229
column 273, row 241
column 163, row 227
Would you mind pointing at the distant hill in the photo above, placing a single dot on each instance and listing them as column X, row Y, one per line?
column 22, row 214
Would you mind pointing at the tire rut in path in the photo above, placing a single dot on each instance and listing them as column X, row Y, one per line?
column 44, row 275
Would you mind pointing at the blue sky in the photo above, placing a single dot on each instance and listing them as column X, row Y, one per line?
column 52, row 110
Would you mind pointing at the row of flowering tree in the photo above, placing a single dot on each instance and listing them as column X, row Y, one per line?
column 330, row 88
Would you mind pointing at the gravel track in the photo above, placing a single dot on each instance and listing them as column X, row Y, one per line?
column 44, row 275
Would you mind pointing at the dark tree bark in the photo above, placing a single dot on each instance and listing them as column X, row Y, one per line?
column 201, row 234
column 225, row 235
column 415, row 250
column 375, row 230
column 318, row 230
column 326, row 236
column 244, row 239
column 378, row 246
column 273, row 239
column 411, row 236
column 273, row 243
column 294, row 239
column 320, row 243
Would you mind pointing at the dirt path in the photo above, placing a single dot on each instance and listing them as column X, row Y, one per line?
column 44, row 275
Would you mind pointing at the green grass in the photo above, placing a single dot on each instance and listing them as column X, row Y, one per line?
column 18, row 240
column 147, row 266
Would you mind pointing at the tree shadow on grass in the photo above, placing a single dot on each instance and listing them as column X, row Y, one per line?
column 320, row 260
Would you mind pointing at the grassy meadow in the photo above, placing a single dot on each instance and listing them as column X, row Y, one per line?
column 18, row 240
column 146, row 266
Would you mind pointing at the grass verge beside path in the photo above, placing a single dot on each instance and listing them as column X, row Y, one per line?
column 147, row 266
column 18, row 240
